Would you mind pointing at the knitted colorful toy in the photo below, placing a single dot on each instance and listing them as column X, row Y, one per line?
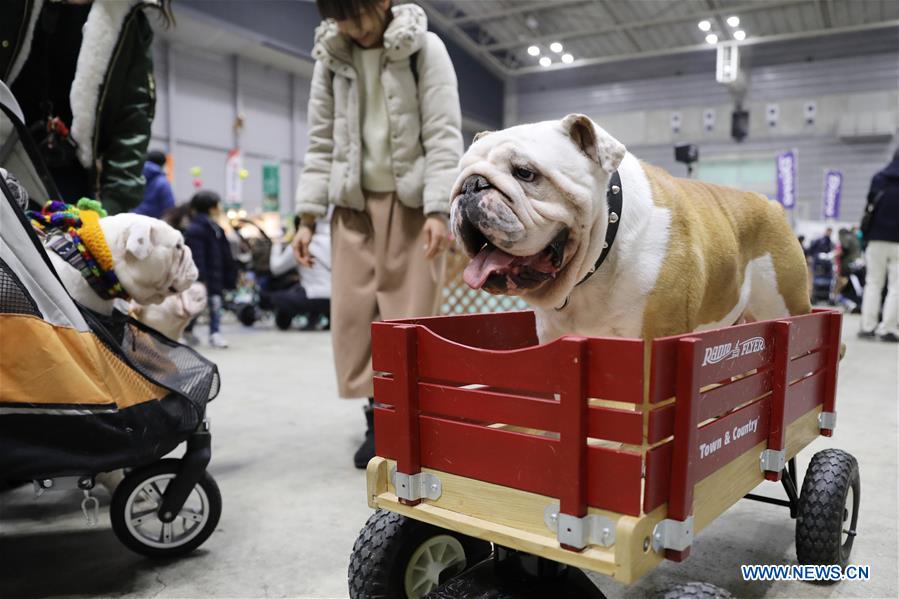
column 78, row 228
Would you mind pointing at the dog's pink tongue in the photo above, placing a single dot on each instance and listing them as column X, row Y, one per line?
column 488, row 261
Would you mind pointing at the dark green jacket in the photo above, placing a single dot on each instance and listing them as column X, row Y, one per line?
column 113, row 99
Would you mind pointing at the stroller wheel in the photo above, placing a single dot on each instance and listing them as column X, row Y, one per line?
column 246, row 314
column 138, row 527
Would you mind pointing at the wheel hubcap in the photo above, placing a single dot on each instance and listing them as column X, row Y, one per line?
column 144, row 524
column 435, row 561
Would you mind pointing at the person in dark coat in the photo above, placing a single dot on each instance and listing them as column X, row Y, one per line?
column 82, row 71
column 158, row 196
column 212, row 255
column 882, row 255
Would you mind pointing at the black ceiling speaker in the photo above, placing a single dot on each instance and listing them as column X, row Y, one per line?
column 739, row 124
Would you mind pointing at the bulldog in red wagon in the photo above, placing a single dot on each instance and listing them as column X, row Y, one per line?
column 602, row 244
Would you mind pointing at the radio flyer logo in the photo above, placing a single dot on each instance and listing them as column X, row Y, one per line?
column 733, row 350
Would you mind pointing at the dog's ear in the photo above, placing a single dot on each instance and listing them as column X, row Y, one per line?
column 594, row 141
column 140, row 241
column 480, row 134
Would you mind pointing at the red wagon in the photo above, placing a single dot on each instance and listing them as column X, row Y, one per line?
column 606, row 454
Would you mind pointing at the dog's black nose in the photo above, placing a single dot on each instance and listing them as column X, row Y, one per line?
column 475, row 183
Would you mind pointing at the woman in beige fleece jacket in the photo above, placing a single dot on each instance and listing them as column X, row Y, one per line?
column 384, row 145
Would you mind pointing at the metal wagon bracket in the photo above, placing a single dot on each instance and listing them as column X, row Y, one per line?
column 413, row 487
column 676, row 535
column 577, row 532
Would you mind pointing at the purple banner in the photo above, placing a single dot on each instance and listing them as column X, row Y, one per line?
column 833, row 189
column 786, row 178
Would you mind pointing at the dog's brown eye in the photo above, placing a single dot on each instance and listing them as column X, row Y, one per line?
column 524, row 174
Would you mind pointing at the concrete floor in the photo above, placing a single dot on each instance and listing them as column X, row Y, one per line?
column 293, row 503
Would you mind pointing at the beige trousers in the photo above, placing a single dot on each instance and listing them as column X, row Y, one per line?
column 378, row 272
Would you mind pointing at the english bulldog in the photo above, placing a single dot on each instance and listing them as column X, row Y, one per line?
column 602, row 244
column 149, row 258
column 174, row 313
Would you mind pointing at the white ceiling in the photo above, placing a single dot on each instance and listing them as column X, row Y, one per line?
column 598, row 31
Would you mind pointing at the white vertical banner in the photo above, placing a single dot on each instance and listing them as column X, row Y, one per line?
column 233, row 181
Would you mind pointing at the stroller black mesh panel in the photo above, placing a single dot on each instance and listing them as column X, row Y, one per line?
column 13, row 297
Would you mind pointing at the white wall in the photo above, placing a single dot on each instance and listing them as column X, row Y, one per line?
column 639, row 112
column 207, row 89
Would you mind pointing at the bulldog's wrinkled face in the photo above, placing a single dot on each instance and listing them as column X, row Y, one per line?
column 527, row 202
column 172, row 316
column 151, row 259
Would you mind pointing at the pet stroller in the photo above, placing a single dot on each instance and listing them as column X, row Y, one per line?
column 84, row 394
column 823, row 278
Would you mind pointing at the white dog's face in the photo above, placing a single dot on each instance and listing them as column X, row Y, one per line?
column 151, row 259
column 172, row 316
column 527, row 203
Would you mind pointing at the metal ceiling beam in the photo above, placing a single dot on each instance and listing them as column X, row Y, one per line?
column 518, row 9
column 753, row 41
column 824, row 11
column 627, row 34
column 488, row 59
column 627, row 26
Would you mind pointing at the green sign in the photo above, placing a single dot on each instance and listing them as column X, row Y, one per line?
column 271, row 187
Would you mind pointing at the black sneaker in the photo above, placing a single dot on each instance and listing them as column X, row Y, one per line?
column 867, row 334
column 366, row 451
column 890, row 337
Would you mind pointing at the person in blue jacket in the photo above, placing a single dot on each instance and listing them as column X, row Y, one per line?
column 158, row 196
column 212, row 255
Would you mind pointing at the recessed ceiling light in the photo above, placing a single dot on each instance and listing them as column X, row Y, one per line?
column 739, row 35
column 533, row 50
column 733, row 21
column 711, row 38
column 705, row 25
column 567, row 58
column 545, row 61
column 555, row 47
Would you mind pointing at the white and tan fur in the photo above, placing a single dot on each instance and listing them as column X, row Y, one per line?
column 150, row 260
column 687, row 256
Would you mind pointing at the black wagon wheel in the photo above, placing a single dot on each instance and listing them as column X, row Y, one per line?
column 137, row 499
column 396, row 557
column 694, row 590
column 828, row 509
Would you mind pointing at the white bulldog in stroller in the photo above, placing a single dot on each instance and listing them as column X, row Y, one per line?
column 87, row 389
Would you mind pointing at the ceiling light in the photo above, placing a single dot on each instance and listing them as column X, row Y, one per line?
column 555, row 47
column 733, row 21
column 705, row 25
column 711, row 38
column 739, row 35
column 533, row 50
column 567, row 58
column 545, row 61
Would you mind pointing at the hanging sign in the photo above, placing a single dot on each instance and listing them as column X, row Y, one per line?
column 271, row 187
column 833, row 189
column 786, row 178
column 233, row 180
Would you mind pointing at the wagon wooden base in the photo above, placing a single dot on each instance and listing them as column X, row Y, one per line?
column 514, row 518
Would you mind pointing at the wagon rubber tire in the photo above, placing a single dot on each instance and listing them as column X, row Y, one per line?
column 385, row 546
column 206, row 490
column 694, row 590
column 825, row 513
